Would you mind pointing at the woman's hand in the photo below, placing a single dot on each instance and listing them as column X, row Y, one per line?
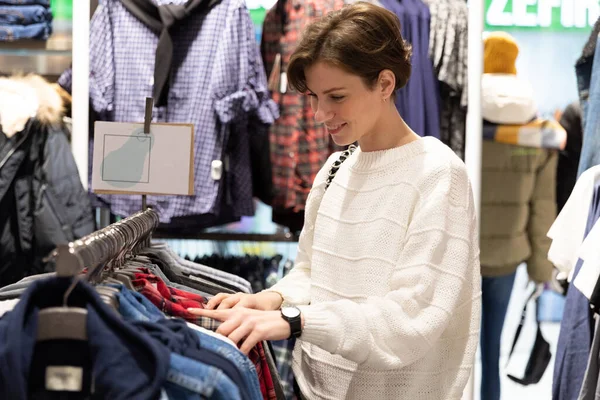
column 247, row 326
column 265, row 301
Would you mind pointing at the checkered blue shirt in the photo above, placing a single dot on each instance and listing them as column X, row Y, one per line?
column 217, row 82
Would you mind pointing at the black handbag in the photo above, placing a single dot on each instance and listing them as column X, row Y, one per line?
column 540, row 355
column 338, row 163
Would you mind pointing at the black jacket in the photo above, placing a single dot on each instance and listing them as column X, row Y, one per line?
column 42, row 201
column 568, row 159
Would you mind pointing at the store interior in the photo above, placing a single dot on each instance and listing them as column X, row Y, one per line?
column 255, row 151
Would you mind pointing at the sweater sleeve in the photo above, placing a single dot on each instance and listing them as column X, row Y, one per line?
column 436, row 276
column 541, row 216
column 295, row 286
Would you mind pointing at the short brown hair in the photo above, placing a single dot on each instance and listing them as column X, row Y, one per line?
column 361, row 38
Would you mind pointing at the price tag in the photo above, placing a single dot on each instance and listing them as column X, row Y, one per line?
column 283, row 82
column 128, row 161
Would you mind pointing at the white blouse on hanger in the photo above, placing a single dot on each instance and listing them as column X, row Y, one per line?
column 568, row 229
column 588, row 275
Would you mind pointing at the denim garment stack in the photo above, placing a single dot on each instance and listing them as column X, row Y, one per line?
column 25, row 19
column 587, row 69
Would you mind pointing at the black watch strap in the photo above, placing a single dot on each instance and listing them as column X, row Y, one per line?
column 295, row 325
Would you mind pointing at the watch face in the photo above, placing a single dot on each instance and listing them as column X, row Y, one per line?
column 290, row 312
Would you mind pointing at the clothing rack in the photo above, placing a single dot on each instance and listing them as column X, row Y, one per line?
column 111, row 243
column 229, row 236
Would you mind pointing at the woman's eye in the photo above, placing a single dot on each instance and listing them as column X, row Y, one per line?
column 337, row 98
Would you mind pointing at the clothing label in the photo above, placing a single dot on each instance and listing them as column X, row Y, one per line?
column 128, row 161
column 64, row 379
column 216, row 169
column 283, row 83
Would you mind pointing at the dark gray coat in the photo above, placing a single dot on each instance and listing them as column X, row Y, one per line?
column 42, row 201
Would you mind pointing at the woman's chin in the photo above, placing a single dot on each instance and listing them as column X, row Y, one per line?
column 341, row 140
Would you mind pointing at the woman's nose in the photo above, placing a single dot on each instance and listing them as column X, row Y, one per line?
column 322, row 115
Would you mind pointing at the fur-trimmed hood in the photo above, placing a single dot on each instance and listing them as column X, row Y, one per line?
column 25, row 97
column 507, row 99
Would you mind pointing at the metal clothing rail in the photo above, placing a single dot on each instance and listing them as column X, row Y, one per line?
column 109, row 245
column 112, row 244
column 228, row 236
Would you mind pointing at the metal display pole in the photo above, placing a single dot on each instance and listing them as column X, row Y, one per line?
column 80, row 88
column 147, row 122
column 474, row 121
column 474, row 118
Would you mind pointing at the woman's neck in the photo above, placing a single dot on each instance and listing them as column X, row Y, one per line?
column 391, row 131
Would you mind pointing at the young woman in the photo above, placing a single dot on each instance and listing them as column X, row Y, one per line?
column 385, row 294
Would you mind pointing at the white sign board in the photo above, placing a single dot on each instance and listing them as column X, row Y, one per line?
column 556, row 15
column 128, row 161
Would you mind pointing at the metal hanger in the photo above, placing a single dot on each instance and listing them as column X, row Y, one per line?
column 63, row 322
column 125, row 280
column 108, row 247
column 110, row 279
column 109, row 296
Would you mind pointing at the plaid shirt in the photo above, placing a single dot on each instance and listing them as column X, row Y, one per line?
column 217, row 82
column 186, row 299
column 174, row 307
column 299, row 145
column 284, row 350
column 259, row 359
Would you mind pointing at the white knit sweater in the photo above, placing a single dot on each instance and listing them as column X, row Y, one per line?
column 387, row 278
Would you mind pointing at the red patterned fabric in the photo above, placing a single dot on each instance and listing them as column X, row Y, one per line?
column 299, row 145
column 259, row 359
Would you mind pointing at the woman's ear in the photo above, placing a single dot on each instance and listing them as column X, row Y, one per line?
column 386, row 83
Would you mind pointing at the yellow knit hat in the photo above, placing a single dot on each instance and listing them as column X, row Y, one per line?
column 500, row 51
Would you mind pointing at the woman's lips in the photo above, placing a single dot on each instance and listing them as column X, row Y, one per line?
column 335, row 129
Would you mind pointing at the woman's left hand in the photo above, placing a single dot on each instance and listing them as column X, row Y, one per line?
column 247, row 325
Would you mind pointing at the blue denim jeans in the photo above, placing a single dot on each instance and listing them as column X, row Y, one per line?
column 24, row 15
column 590, row 152
column 584, row 78
column 191, row 380
column 132, row 311
column 495, row 293
column 137, row 307
column 238, row 358
column 39, row 31
column 134, row 306
column 45, row 3
column 187, row 379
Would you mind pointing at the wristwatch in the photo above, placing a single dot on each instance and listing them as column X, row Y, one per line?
column 292, row 316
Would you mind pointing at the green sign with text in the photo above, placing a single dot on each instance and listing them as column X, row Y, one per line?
column 540, row 15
